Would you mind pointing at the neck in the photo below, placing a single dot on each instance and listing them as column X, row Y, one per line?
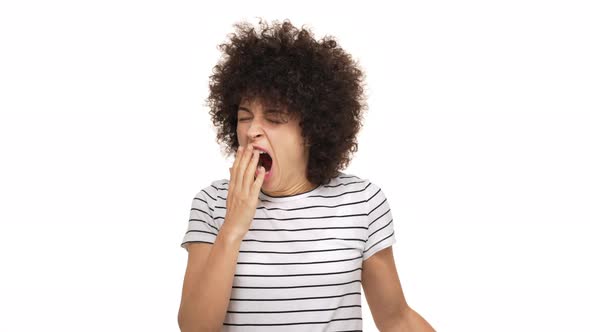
column 298, row 188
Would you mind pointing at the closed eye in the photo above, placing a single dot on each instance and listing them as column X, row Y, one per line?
column 244, row 119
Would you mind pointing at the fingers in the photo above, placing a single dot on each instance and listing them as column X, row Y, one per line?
column 242, row 173
column 242, row 164
column 237, row 169
column 258, row 182
column 231, row 180
column 233, row 171
column 250, row 171
column 236, row 162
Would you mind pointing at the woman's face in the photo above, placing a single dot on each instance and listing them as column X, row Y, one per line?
column 271, row 129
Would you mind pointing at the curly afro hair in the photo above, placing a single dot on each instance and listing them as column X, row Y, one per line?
column 283, row 65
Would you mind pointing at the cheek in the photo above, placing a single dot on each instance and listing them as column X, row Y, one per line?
column 295, row 148
column 241, row 134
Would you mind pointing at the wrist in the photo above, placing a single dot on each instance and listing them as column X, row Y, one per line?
column 232, row 233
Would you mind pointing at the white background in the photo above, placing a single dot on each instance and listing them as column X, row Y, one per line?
column 478, row 132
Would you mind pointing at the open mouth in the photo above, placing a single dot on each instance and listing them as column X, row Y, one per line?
column 266, row 161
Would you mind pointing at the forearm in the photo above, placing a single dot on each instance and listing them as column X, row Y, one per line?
column 204, row 308
column 409, row 321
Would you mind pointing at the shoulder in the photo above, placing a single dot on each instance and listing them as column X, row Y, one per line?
column 219, row 185
column 354, row 186
column 346, row 178
column 358, row 180
column 213, row 191
column 372, row 191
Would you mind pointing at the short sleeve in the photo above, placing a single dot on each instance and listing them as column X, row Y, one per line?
column 201, row 224
column 380, row 234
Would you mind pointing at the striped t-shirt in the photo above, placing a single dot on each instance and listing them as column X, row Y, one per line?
column 299, row 265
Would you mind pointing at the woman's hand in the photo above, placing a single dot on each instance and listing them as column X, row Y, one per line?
column 242, row 194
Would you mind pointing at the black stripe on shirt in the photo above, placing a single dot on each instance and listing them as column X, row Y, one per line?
column 304, row 286
column 304, row 323
column 290, row 311
column 300, row 263
column 295, row 275
column 298, row 298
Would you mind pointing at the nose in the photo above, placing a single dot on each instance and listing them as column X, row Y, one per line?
column 255, row 129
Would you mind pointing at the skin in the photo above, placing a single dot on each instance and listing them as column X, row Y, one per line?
column 281, row 136
column 386, row 299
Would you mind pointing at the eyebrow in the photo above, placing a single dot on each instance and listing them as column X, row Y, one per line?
column 268, row 110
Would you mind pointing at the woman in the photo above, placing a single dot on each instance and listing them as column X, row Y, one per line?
column 284, row 244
